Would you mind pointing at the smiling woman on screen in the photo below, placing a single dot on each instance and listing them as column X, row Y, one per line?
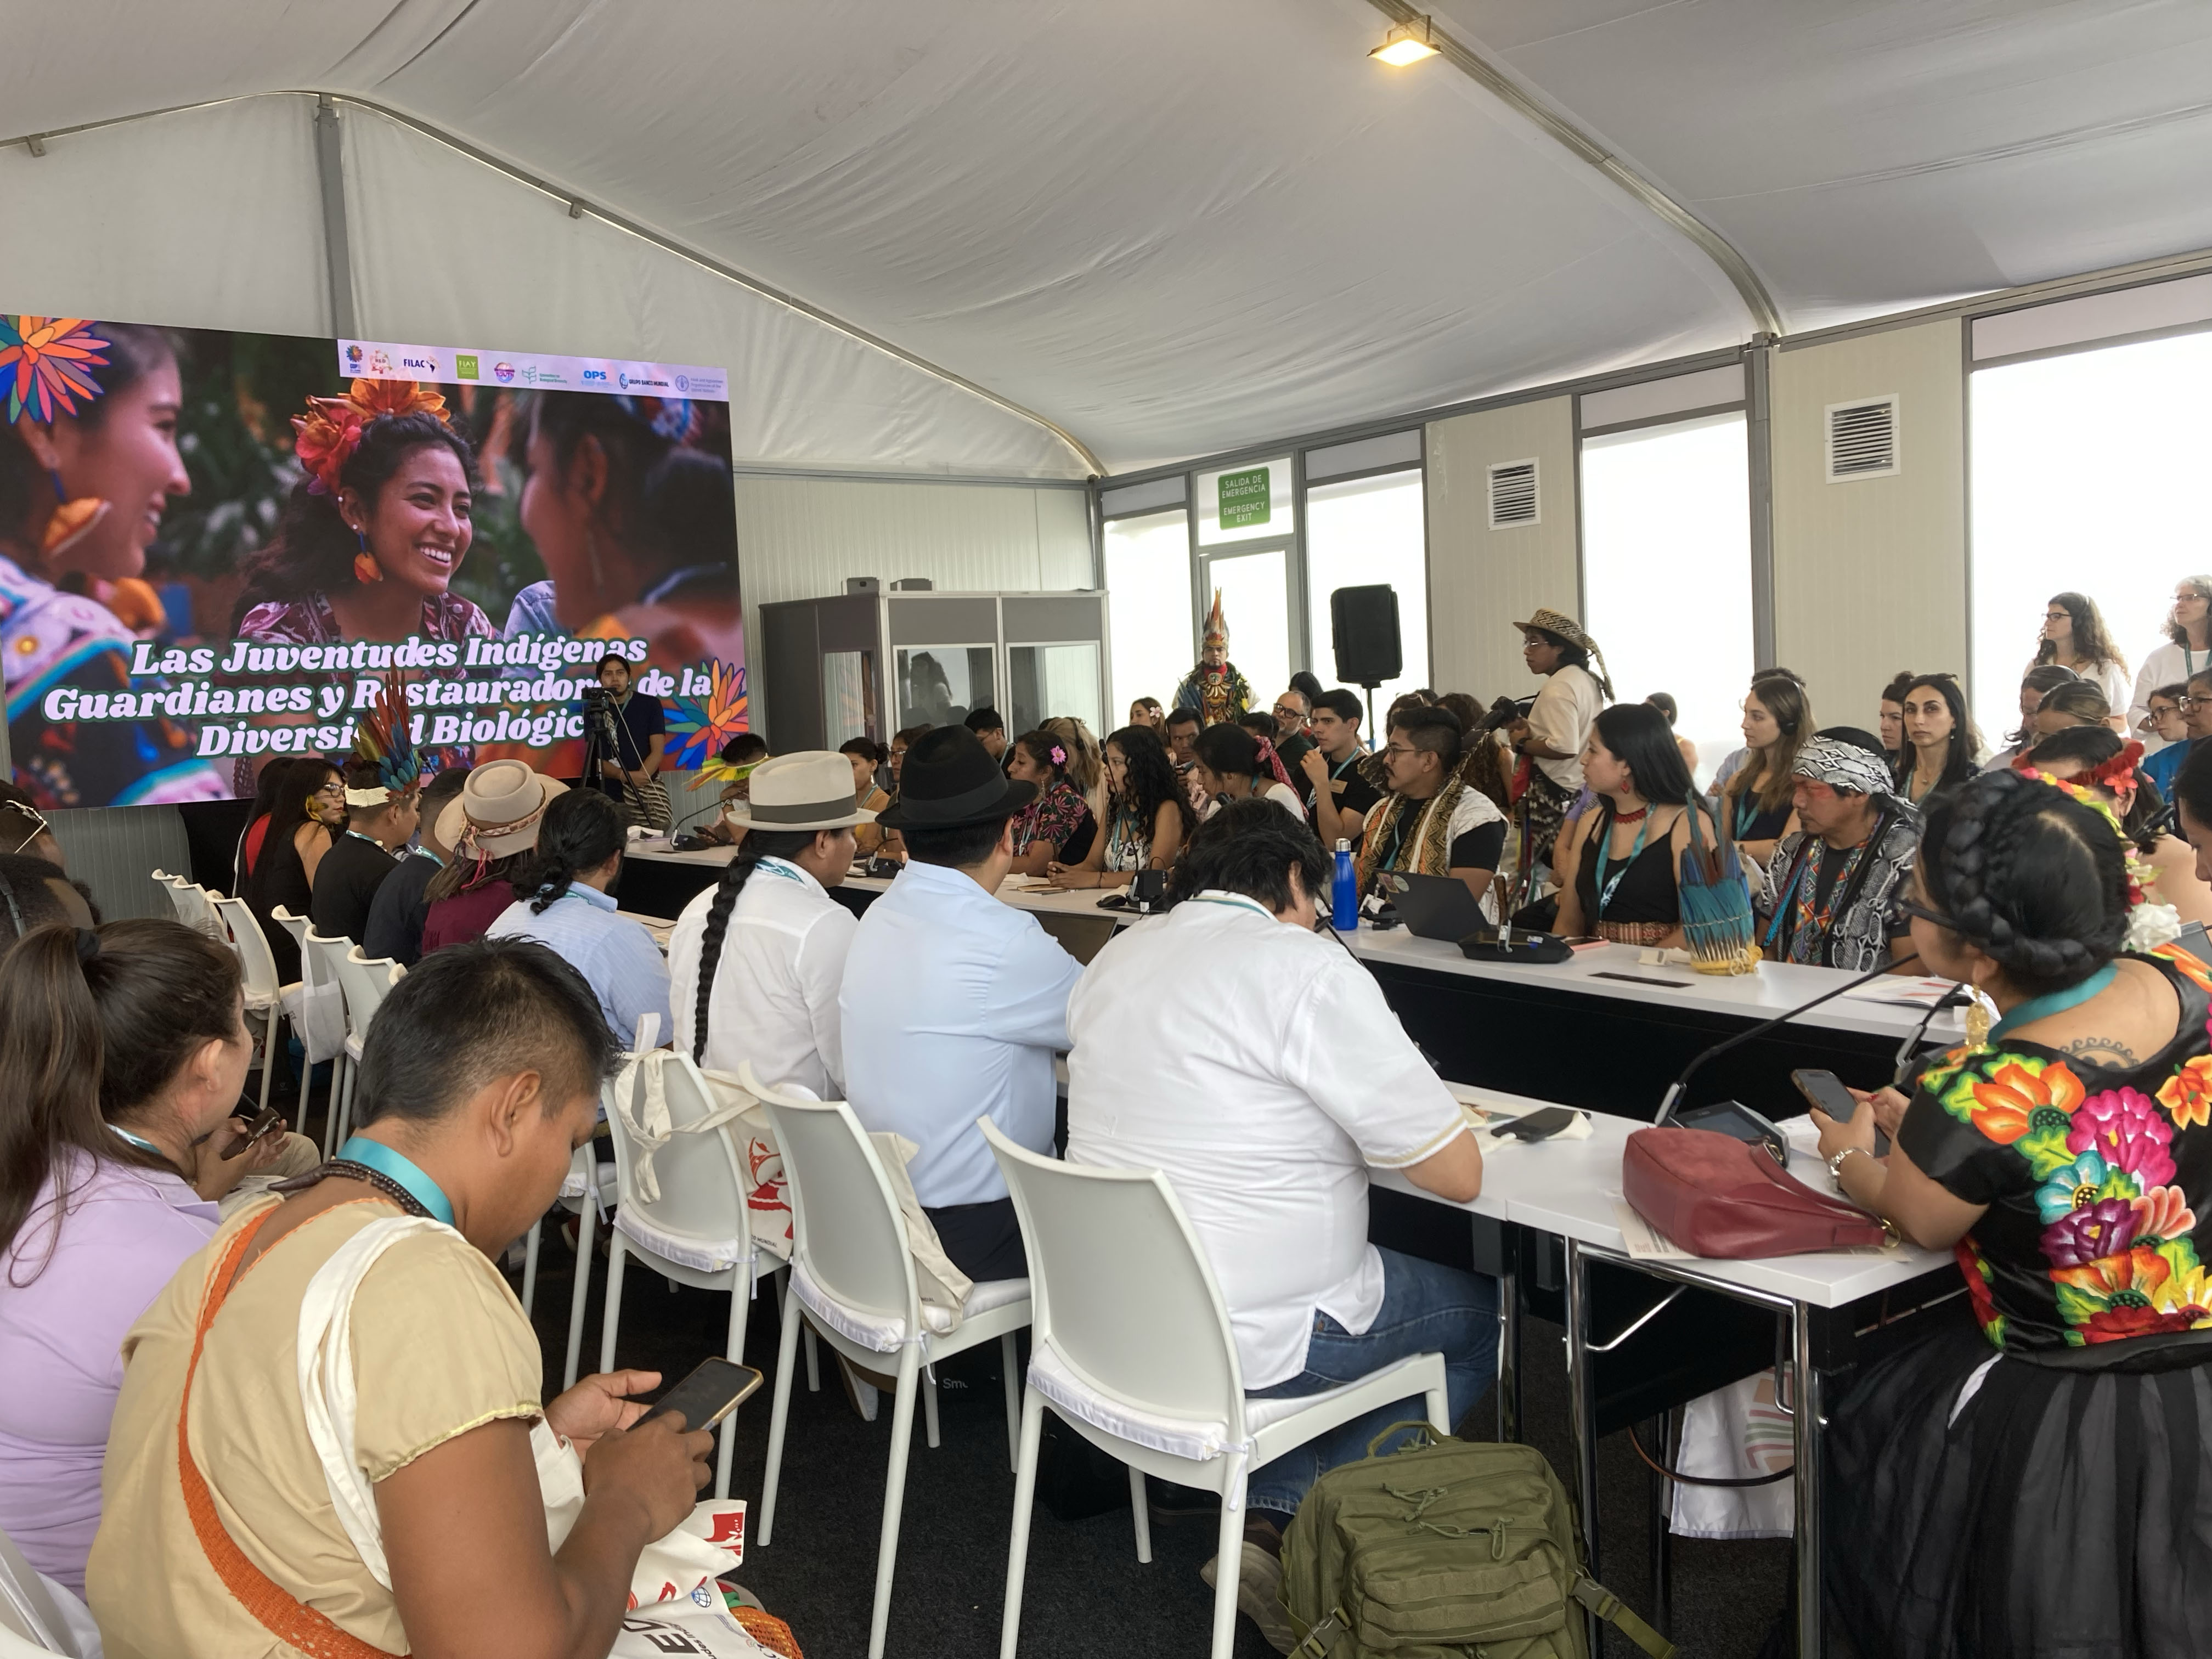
column 88, row 464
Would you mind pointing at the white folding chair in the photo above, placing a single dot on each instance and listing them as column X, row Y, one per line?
column 852, row 1270
column 36, row 1616
column 321, row 960
column 264, row 997
column 1133, row 1349
column 589, row 1188
column 196, row 909
column 688, row 1219
column 173, row 889
column 365, row 982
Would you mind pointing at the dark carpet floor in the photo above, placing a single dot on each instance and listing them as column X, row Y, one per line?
column 1086, row 1593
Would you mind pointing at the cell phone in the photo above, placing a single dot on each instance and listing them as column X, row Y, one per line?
column 1825, row 1089
column 711, row 1393
column 1538, row 1125
column 262, row 1125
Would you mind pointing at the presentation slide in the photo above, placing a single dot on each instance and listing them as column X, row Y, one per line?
column 215, row 547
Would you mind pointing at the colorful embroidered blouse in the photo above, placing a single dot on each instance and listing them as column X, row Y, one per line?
column 1056, row 817
column 2091, row 1175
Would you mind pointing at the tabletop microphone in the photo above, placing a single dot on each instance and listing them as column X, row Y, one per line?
column 1958, row 996
column 1674, row 1089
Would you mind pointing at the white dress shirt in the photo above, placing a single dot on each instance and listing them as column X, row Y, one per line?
column 953, row 1006
column 774, row 1000
column 1560, row 719
column 1266, row 1119
column 613, row 952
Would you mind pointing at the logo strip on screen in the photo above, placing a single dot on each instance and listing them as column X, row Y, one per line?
column 385, row 360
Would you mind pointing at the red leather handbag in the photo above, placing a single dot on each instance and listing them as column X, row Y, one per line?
column 1717, row 1196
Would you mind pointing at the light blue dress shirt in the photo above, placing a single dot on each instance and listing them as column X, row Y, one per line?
column 952, row 1008
column 613, row 952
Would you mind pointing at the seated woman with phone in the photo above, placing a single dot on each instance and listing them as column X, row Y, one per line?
column 478, row 1081
column 2040, row 1484
column 121, row 1053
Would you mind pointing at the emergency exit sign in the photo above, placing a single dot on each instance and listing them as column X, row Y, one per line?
column 1245, row 498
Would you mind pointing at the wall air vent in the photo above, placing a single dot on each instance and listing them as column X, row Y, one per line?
column 1513, row 495
column 1861, row 440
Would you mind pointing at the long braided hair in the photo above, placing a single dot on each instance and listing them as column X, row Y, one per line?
column 581, row 831
column 758, row 844
column 2029, row 875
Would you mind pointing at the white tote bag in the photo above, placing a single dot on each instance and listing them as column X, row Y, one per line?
column 672, row 1589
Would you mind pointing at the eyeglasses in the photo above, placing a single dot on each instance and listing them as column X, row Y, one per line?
column 2058, row 616
column 38, row 827
column 1283, row 712
column 2185, row 704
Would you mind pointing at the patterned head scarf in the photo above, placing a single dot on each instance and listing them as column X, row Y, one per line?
column 1842, row 765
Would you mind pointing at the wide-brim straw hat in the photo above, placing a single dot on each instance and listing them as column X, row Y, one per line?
column 810, row 789
column 1566, row 627
column 498, row 809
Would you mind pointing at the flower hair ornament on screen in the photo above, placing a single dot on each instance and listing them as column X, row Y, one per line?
column 325, row 437
column 46, row 368
column 385, row 739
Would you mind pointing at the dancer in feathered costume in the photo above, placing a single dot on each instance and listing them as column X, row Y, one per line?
column 1214, row 688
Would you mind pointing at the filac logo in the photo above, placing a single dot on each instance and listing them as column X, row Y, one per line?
column 427, row 364
column 504, row 373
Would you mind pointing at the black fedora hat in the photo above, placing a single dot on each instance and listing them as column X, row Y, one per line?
column 949, row 780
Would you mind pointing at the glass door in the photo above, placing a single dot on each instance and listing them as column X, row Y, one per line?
column 1254, row 585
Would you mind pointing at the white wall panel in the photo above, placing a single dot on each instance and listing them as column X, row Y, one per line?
column 1481, row 581
column 1871, row 575
column 208, row 218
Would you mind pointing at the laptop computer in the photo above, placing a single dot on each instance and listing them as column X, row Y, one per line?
column 1435, row 906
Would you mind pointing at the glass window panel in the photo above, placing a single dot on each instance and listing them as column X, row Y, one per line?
column 2089, row 476
column 1047, row 681
column 1147, row 609
column 938, row 684
column 1369, row 530
column 1255, row 605
column 1257, row 504
column 1667, row 567
column 848, row 702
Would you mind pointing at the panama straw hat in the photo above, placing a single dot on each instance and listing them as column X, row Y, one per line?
column 498, row 810
column 811, row 789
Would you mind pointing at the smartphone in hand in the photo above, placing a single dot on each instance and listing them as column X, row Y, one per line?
column 708, row 1394
column 261, row 1126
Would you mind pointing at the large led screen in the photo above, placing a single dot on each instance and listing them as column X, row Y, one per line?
column 215, row 547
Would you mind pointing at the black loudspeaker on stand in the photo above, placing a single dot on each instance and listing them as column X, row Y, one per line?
column 1363, row 626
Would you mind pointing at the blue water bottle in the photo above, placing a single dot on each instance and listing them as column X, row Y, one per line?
column 1344, row 892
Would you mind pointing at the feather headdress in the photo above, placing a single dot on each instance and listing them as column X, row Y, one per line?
column 385, row 739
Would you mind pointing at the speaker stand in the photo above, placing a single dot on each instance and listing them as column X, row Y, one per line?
column 1368, row 724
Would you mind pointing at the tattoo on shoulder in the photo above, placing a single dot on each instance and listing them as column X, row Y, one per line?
column 2101, row 1051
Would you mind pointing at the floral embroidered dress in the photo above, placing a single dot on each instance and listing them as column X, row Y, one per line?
column 2039, row 1481
column 1057, row 816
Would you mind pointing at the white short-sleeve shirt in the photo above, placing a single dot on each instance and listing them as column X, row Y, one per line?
column 1265, row 1120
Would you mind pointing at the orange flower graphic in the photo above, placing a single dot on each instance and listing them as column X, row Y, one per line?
column 375, row 397
column 2001, row 1106
column 2187, row 1095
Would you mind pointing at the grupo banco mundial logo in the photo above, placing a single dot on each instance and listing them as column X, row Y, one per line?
column 627, row 381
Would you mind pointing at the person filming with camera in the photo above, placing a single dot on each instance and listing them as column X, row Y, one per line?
column 633, row 735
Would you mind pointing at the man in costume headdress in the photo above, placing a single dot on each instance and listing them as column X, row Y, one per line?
column 1214, row 688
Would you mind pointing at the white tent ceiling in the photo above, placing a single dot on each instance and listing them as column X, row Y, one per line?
column 1169, row 229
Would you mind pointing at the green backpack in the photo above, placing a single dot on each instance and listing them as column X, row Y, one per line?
column 1449, row 1549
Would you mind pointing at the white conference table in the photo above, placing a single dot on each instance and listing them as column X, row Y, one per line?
column 1569, row 1189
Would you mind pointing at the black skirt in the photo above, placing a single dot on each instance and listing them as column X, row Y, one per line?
column 2066, row 1514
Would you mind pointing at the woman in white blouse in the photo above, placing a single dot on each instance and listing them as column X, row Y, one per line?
column 2074, row 637
column 2185, row 651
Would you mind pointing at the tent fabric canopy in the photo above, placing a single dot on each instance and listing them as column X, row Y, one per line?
column 1169, row 230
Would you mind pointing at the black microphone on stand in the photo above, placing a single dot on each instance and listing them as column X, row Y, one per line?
column 1958, row 996
column 1674, row 1089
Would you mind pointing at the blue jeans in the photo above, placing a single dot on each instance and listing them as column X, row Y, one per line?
column 1426, row 1309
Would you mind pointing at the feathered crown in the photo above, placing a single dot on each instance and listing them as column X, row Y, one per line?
column 326, row 436
column 1216, row 630
column 385, row 739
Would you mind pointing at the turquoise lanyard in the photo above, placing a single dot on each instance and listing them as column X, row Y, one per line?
column 1605, row 889
column 371, row 840
column 1237, row 900
column 2053, row 1002
column 777, row 867
column 137, row 1140
column 398, row 1168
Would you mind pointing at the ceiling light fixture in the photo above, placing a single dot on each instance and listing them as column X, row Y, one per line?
column 1406, row 43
